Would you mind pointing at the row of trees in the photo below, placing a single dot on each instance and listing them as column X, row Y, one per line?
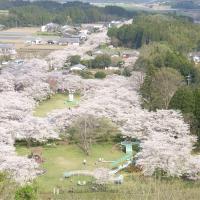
column 23, row 13
column 178, row 32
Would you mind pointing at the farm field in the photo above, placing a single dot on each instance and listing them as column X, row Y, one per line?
column 4, row 12
column 18, row 37
column 57, row 101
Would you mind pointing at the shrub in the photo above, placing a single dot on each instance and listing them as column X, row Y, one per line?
column 102, row 61
column 126, row 72
column 118, row 72
column 100, row 75
column 27, row 192
column 75, row 60
column 86, row 74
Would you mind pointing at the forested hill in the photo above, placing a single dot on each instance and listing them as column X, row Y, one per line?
column 186, row 4
column 25, row 13
column 181, row 33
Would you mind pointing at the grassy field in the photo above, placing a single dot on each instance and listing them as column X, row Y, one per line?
column 57, row 101
column 69, row 157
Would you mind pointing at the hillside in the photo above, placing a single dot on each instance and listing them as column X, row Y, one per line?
column 178, row 32
column 39, row 13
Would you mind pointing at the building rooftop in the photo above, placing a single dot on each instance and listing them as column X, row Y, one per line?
column 80, row 66
column 7, row 46
column 69, row 40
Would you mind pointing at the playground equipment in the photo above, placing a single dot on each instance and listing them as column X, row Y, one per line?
column 103, row 175
column 36, row 154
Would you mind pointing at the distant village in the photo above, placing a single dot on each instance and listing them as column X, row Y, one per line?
column 72, row 36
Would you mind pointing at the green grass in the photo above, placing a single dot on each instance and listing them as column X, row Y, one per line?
column 39, row 33
column 135, row 187
column 69, row 157
column 57, row 101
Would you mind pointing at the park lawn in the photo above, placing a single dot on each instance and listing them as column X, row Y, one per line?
column 57, row 101
column 64, row 158
column 135, row 187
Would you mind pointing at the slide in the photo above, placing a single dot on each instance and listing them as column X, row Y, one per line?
column 120, row 167
column 122, row 159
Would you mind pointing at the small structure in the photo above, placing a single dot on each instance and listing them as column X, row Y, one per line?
column 78, row 67
column 71, row 95
column 112, row 68
column 7, row 49
column 36, row 154
column 114, row 24
column 128, row 146
column 195, row 57
column 82, row 36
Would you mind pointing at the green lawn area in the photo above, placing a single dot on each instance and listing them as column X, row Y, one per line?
column 57, row 101
column 69, row 157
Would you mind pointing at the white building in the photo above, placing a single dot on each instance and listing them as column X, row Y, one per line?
column 78, row 67
column 50, row 27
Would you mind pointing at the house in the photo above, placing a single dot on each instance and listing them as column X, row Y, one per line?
column 73, row 41
column 195, row 57
column 93, row 27
column 78, row 67
column 112, row 68
column 114, row 23
column 7, row 49
column 2, row 27
column 84, row 31
column 68, row 29
column 50, row 27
